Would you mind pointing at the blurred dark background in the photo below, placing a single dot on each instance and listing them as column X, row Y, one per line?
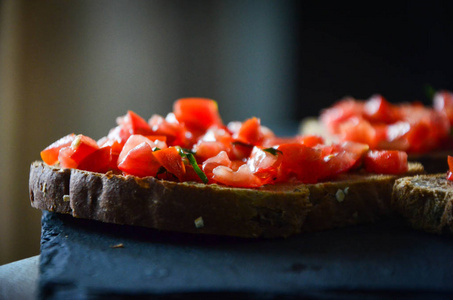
column 74, row 66
column 396, row 49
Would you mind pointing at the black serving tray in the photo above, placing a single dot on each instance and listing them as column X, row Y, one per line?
column 83, row 259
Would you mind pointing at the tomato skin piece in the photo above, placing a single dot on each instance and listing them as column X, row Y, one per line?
column 249, row 133
column 99, row 161
column 50, row 154
column 205, row 150
column 221, row 159
column 128, row 125
column 307, row 140
column 136, row 139
column 140, row 161
column 197, row 114
column 170, row 159
column 264, row 164
column 443, row 102
column 243, row 177
column 81, row 147
column 340, row 112
column 450, row 163
column 378, row 109
column 169, row 127
column 386, row 162
column 300, row 161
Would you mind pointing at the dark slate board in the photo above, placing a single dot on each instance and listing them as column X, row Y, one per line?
column 78, row 261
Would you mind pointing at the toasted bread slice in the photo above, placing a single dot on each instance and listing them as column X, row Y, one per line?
column 433, row 162
column 426, row 201
column 277, row 210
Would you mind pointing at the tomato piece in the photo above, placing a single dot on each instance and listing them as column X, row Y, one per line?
column 240, row 151
column 197, row 114
column 386, row 162
column 64, row 157
column 450, row 168
column 205, row 150
column 140, row 161
column 135, row 124
column 443, row 102
column 50, row 154
column 250, row 133
column 301, row 161
column 340, row 112
column 115, row 150
column 175, row 133
column 378, row 109
column 171, row 160
column 450, row 162
column 360, row 131
column 98, row 161
column 264, row 164
column 136, row 139
column 307, row 140
column 81, row 147
column 129, row 124
column 221, row 159
column 243, row 177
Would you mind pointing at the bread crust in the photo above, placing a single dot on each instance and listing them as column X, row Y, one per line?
column 165, row 205
column 425, row 201
column 271, row 211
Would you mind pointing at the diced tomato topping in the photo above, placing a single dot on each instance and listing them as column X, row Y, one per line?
column 443, row 102
column 140, row 161
column 98, row 161
column 171, row 160
column 386, row 162
column 220, row 159
column 50, row 154
column 205, row 150
column 301, row 161
column 378, row 109
column 247, row 154
column 250, row 132
column 81, row 147
column 176, row 133
column 265, row 164
column 128, row 125
column 243, row 177
column 307, row 140
column 408, row 127
column 341, row 111
column 137, row 139
column 197, row 114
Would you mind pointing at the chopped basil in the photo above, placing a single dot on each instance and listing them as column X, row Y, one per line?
column 273, row 151
column 193, row 163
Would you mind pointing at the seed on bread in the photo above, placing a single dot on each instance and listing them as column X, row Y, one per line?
column 199, row 223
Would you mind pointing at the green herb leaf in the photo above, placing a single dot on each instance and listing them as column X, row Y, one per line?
column 273, row 151
column 193, row 163
column 197, row 169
